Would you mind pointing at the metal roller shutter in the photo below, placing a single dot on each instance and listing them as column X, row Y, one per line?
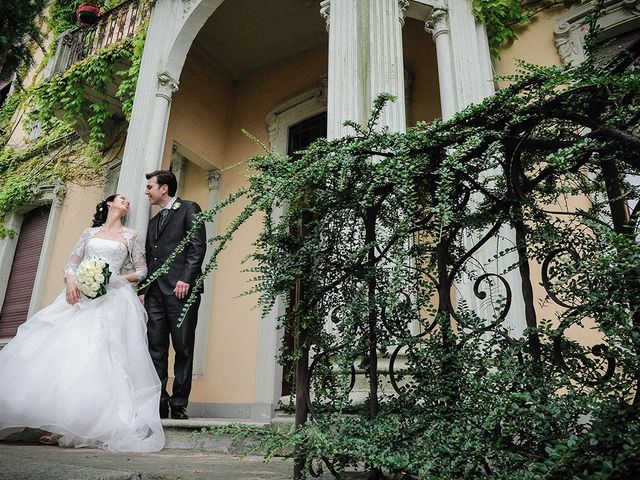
column 23, row 271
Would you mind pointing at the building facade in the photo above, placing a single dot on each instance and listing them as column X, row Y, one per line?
column 286, row 71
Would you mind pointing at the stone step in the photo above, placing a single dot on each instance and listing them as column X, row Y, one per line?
column 187, row 435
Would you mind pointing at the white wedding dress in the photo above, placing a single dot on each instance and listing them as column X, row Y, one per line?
column 84, row 371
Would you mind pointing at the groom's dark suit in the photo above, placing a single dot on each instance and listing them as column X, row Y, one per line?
column 163, row 307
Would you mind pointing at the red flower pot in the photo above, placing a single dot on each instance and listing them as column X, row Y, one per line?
column 87, row 14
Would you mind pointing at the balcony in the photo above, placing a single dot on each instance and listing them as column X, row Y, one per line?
column 113, row 26
column 78, row 44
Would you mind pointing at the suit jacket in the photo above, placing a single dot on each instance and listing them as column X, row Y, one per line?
column 187, row 264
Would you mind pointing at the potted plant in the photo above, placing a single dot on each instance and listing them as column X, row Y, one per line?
column 87, row 14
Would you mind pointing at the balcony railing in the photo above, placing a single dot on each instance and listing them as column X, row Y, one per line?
column 113, row 26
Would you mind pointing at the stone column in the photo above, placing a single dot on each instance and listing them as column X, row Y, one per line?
column 386, row 63
column 470, row 59
column 204, row 313
column 148, row 124
column 473, row 82
column 347, row 26
column 177, row 167
column 438, row 26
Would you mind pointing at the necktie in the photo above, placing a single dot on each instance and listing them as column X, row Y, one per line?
column 163, row 217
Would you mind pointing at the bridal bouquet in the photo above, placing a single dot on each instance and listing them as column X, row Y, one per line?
column 92, row 276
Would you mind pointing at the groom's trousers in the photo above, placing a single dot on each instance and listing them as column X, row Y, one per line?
column 164, row 312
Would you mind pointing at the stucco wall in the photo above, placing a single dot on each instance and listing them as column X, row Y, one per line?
column 535, row 44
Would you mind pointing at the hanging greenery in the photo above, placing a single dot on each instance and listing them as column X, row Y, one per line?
column 66, row 93
column 378, row 231
column 55, row 107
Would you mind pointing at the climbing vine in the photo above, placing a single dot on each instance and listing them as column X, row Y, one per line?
column 503, row 17
column 55, row 107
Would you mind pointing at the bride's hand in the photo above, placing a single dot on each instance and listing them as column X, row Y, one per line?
column 73, row 294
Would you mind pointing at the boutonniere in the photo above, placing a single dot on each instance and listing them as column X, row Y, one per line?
column 176, row 206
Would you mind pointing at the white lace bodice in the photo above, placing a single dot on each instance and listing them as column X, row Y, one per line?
column 121, row 257
column 111, row 251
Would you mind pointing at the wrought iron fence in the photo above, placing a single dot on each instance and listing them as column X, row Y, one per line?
column 495, row 173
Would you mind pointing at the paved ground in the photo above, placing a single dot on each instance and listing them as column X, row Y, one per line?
column 28, row 461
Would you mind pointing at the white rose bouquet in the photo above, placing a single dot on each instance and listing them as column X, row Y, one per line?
column 92, row 276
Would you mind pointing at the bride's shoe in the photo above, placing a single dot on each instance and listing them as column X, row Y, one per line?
column 50, row 439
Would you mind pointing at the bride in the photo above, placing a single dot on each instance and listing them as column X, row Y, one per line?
column 80, row 368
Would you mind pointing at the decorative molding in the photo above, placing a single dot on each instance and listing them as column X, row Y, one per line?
column 631, row 6
column 213, row 179
column 167, row 86
column 325, row 7
column 46, row 193
column 187, row 5
column 619, row 16
column 438, row 22
column 318, row 95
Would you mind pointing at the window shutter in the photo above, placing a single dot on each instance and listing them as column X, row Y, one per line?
column 23, row 271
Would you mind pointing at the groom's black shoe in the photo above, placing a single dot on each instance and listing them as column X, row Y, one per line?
column 179, row 413
column 164, row 410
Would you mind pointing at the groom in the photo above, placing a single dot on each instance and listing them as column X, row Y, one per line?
column 167, row 295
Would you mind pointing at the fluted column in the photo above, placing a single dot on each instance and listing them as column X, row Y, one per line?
column 347, row 26
column 473, row 82
column 438, row 27
column 150, row 114
column 365, row 59
column 386, row 64
column 470, row 55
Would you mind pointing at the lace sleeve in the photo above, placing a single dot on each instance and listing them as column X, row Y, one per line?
column 136, row 254
column 77, row 254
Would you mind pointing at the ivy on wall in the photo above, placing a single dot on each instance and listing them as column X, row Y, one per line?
column 503, row 17
column 56, row 107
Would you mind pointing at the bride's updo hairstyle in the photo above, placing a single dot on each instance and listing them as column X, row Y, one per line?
column 102, row 209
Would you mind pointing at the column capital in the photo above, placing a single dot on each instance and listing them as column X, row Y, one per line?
column 325, row 7
column 177, row 160
column 438, row 22
column 167, row 86
column 213, row 177
column 402, row 6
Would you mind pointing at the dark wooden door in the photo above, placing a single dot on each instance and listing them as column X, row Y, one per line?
column 23, row 271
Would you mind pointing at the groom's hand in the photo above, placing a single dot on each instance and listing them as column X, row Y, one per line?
column 182, row 289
